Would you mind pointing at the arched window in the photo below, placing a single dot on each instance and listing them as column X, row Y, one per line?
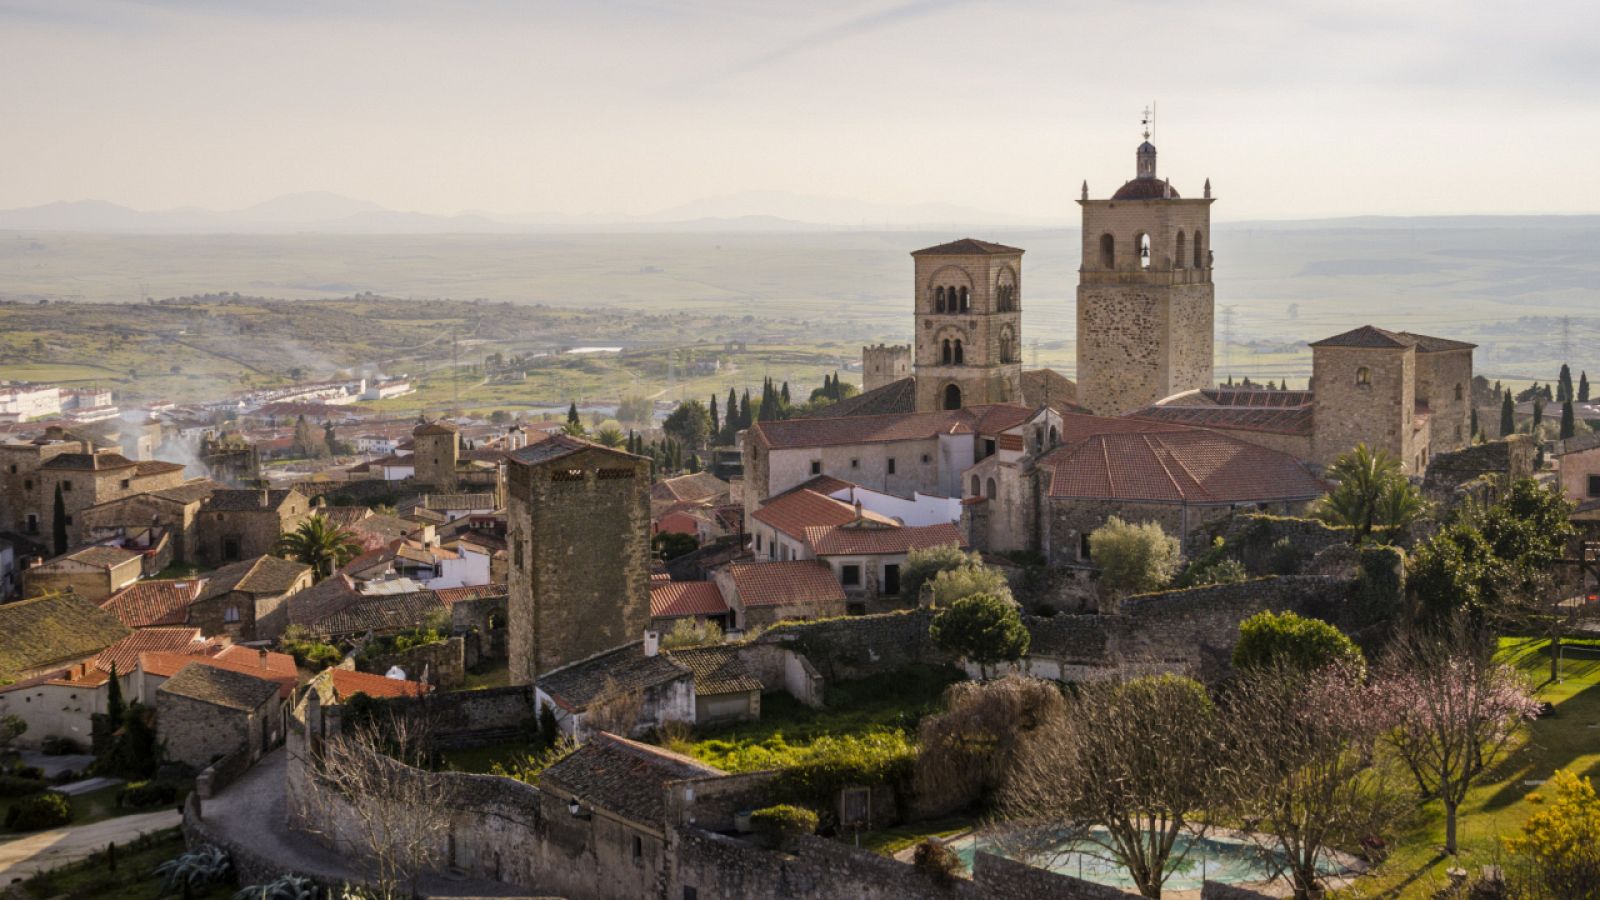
column 1458, row 392
column 1363, row 376
column 1006, row 346
column 966, row 300
column 1178, row 258
column 1199, row 249
column 1055, row 436
column 946, row 357
column 959, row 360
column 975, row 486
column 938, row 300
column 952, row 397
column 990, row 494
column 1108, row 252
column 1143, row 243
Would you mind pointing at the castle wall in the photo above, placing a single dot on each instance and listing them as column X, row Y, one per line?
column 1444, row 380
column 1379, row 412
column 882, row 365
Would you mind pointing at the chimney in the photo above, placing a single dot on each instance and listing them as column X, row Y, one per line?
column 652, row 642
column 266, row 498
column 263, row 657
column 858, row 512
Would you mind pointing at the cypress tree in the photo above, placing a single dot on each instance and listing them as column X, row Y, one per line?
column 1508, row 415
column 785, row 393
column 1583, row 387
column 1538, row 414
column 572, row 414
column 1474, row 421
column 1569, row 425
column 58, row 527
column 694, row 463
column 114, row 705
column 715, row 427
column 744, row 410
column 1564, row 384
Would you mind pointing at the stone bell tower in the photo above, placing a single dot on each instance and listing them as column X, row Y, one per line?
column 968, row 344
column 1145, row 298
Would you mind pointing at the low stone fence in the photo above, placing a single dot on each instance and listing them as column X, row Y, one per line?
column 445, row 663
column 250, row 866
column 222, row 773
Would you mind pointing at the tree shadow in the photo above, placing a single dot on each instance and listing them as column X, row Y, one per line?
column 1555, row 740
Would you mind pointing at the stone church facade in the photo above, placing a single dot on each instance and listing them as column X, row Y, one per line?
column 968, row 345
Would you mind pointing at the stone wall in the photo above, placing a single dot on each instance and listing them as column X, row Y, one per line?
column 1001, row 877
column 1252, row 539
column 883, row 364
column 197, row 734
column 444, row 661
column 1377, row 411
column 462, row 719
column 846, row 649
column 1481, row 472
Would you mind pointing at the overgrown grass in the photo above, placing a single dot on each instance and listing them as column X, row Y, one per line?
column 131, row 880
column 1569, row 739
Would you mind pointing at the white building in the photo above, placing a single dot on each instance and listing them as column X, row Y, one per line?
column 20, row 402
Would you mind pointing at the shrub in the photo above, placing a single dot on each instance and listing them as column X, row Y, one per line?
column 925, row 565
column 1133, row 559
column 1283, row 558
column 284, row 887
column 18, row 786
column 953, row 585
column 1292, row 641
column 777, row 826
column 199, row 868
column 816, row 774
column 307, row 651
column 984, row 628
column 937, row 861
column 39, row 811
column 1560, row 844
column 33, row 772
column 55, row 745
column 141, row 795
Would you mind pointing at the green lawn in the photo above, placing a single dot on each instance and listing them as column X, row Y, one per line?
column 497, row 674
column 482, row 759
column 130, row 880
column 1569, row 739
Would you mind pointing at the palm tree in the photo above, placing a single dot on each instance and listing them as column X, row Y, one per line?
column 1372, row 493
column 319, row 544
column 609, row 437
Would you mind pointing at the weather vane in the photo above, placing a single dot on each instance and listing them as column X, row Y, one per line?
column 1149, row 117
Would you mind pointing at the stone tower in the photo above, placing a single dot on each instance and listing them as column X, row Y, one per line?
column 883, row 365
column 1145, row 296
column 578, row 531
column 969, row 325
column 436, row 449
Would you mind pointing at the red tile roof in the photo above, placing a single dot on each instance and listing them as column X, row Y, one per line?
column 270, row 666
column 125, row 653
column 450, row 596
column 790, row 433
column 785, row 583
column 1190, row 466
column 792, row 513
column 967, row 247
column 158, row 602
column 1291, row 420
column 669, row 599
column 347, row 683
column 842, row 540
column 1076, row 428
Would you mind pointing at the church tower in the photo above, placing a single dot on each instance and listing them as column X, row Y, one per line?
column 968, row 346
column 1145, row 299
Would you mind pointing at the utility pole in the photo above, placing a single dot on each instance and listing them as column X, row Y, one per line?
column 1227, row 340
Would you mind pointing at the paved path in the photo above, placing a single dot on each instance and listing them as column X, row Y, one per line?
column 31, row 853
column 253, row 812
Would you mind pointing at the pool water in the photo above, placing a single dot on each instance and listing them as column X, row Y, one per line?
column 1225, row 860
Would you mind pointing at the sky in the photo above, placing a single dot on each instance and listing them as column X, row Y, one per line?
column 630, row 107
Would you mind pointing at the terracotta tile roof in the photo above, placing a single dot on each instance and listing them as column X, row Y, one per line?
column 1191, row 466
column 1293, row 420
column 794, row 582
column 697, row 487
column 895, row 398
column 793, row 433
column 457, row 501
column 220, row 687
column 717, row 670
column 192, row 491
column 156, row 467
column 826, row 485
column 54, row 629
column 126, row 652
column 846, row 540
column 1146, row 189
column 348, row 682
column 380, row 614
column 450, row 596
column 1426, row 344
column 157, row 602
column 322, row 599
column 279, row 668
column 793, row 512
column 246, row 500
column 1256, row 398
column 622, row 777
column 561, row 445
column 261, row 575
column 438, row 426
column 1368, row 337
column 967, row 247
column 1077, row 428
column 622, row 669
column 1047, row 387
column 88, row 462
column 670, row 599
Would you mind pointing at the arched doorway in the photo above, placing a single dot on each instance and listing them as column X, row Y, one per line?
column 952, row 397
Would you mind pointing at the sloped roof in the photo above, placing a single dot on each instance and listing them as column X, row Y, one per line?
column 1368, row 337
column 438, row 426
column 449, row 596
column 457, row 501
column 1428, row 344
column 670, row 599
column 1146, row 189
column 895, row 398
column 1047, row 387
column 786, row 583
column 1190, row 466
column 126, row 652
column 967, row 247
column 322, row 599
column 261, row 575
column 1296, row 420
column 790, row 433
column 846, row 540
column 245, row 500
column 624, row 669
column 156, row 467
column 380, row 613
column 558, row 446
column 194, row 490
column 348, row 682
column 99, row 556
column 793, row 512
column 157, row 602
column 1077, row 427
column 88, row 461
column 56, row 628
column 622, row 777
column 696, row 487
column 220, row 687
column 717, row 670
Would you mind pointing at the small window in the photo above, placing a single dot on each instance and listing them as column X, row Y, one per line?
column 690, row 893
column 1458, row 392
column 27, row 484
column 988, row 447
column 816, row 467
column 13, row 468
column 231, row 614
column 1363, row 376
column 1594, row 485
column 1083, row 546
column 855, row 463
column 67, row 519
column 850, row 575
column 126, row 483
column 66, row 485
column 638, row 849
column 976, row 490
column 758, row 542
column 990, row 492
column 926, row 459
column 891, row 465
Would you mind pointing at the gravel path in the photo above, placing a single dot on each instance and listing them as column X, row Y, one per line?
column 32, row 853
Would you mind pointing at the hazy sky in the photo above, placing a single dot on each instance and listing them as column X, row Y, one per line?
column 1292, row 109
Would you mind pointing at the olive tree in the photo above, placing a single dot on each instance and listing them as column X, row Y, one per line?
column 1134, row 559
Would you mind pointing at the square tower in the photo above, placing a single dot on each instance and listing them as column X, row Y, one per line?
column 578, row 529
column 1145, row 298
column 968, row 345
column 1364, row 390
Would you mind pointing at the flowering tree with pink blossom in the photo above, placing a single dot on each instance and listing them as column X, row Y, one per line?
column 1454, row 712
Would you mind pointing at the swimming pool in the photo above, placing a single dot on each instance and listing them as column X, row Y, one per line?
column 1222, row 859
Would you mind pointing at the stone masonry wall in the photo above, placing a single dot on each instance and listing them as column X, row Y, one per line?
column 855, row 647
column 445, row 663
column 1378, row 413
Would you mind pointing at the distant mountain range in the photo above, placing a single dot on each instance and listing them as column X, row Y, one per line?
column 752, row 211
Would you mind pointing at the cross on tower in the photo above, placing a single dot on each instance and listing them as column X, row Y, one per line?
column 1148, row 117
